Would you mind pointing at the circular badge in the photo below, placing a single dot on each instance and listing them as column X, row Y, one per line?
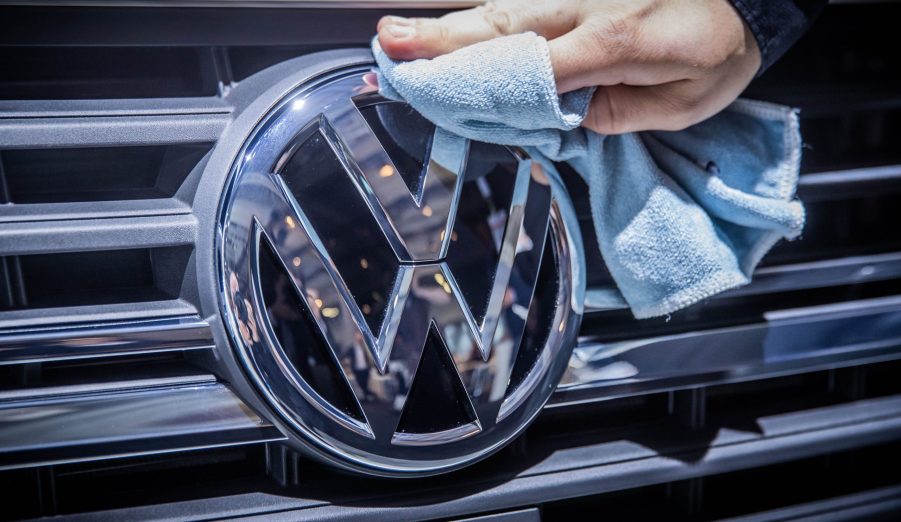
column 399, row 295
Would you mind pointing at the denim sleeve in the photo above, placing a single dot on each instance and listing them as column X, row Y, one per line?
column 777, row 24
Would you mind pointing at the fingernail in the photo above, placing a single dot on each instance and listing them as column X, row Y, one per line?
column 401, row 31
column 398, row 20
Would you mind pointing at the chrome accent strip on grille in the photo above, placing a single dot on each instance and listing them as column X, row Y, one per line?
column 104, row 313
column 73, row 429
column 104, row 339
column 789, row 341
column 124, row 384
column 783, row 278
column 841, row 184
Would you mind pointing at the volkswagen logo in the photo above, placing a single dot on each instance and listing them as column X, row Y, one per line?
column 401, row 297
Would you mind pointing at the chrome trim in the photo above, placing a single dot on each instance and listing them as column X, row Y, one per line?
column 841, row 184
column 94, row 314
column 426, row 295
column 804, row 339
column 398, row 212
column 104, row 339
column 783, row 278
column 72, row 429
column 123, row 385
column 461, row 432
column 556, row 337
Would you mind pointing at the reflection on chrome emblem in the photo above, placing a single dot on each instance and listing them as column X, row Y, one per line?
column 399, row 295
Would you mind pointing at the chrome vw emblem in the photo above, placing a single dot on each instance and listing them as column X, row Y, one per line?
column 399, row 295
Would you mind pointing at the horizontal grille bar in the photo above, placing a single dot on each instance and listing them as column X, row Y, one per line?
column 87, row 132
column 567, row 468
column 784, row 278
column 83, row 235
column 38, row 317
column 790, row 341
column 52, row 344
column 92, row 210
column 844, row 184
column 19, row 109
column 878, row 504
column 169, row 376
column 104, row 425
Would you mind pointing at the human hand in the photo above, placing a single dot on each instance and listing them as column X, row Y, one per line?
column 659, row 64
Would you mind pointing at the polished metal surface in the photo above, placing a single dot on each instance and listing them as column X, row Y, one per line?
column 784, row 278
column 103, row 339
column 789, row 341
column 43, row 431
column 401, row 296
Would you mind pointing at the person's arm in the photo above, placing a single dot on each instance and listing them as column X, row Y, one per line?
column 777, row 24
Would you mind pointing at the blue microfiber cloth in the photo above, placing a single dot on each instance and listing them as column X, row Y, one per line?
column 679, row 216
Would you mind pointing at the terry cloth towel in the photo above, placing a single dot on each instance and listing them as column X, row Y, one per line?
column 679, row 216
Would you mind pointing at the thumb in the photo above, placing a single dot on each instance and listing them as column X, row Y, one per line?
column 412, row 38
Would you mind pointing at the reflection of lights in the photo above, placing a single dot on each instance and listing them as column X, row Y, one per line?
column 318, row 302
column 439, row 278
column 562, row 325
column 386, row 171
column 295, row 261
column 521, row 311
column 441, row 238
column 330, row 312
column 298, row 104
column 364, row 263
column 453, row 236
column 367, row 309
column 290, row 221
column 427, row 211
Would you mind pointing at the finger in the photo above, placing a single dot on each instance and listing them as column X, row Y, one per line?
column 408, row 39
column 618, row 55
column 618, row 109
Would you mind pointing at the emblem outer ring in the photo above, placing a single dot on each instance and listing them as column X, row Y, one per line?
column 567, row 317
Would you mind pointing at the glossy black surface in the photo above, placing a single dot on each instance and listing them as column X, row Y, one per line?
column 405, row 135
column 319, row 184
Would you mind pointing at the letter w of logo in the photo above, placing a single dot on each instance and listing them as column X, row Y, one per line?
column 439, row 252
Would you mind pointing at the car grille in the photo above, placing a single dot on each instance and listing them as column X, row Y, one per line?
column 110, row 398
